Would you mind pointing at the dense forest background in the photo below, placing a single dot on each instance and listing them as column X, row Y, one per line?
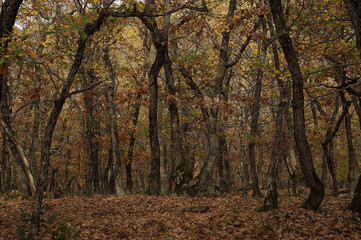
column 188, row 97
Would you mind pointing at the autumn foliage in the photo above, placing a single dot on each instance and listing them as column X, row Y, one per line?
column 125, row 99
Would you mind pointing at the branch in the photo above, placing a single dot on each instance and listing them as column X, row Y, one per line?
column 136, row 13
column 196, row 209
column 80, row 91
column 21, row 153
column 331, row 135
column 245, row 44
column 190, row 82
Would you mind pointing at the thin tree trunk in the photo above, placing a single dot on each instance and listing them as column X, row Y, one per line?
column 255, row 112
column 128, row 165
column 327, row 145
column 91, row 144
column 109, row 94
column 271, row 198
column 21, row 166
column 351, row 154
column 211, row 115
column 35, row 129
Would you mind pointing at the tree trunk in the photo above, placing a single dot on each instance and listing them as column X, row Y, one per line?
column 36, row 123
column 324, row 174
column 354, row 10
column 317, row 188
column 211, row 115
column 9, row 11
column 128, row 165
column 91, row 144
column 222, row 159
column 154, row 177
column 271, row 198
column 89, row 29
column 327, row 145
column 177, row 150
column 109, row 179
column 5, row 166
column 255, row 112
column 351, row 154
column 109, row 94
column 355, row 204
column 25, row 179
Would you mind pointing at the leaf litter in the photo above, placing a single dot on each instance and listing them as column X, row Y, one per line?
column 149, row 217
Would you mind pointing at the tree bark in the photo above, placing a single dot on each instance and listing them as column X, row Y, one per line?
column 255, row 112
column 6, row 175
column 154, row 177
column 109, row 94
column 354, row 9
column 327, row 145
column 9, row 11
column 317, row 188
column 91, row 145
column 160, row 42
column 271, row 198
column 128, row 165
column 21, row 165
column 351, row 149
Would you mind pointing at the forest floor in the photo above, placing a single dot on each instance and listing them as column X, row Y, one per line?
column 147, row 217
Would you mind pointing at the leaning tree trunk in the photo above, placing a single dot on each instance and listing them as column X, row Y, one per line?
column 9, row 11
column 89, row 30
column 26, row 183
column 317, row 188
column 327, row 145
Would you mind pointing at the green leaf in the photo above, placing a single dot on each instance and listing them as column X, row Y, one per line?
column 85, row 20
column 82, row 34
column 2, row 60
column 24, row 37
column 111, row 18
column 74, row 27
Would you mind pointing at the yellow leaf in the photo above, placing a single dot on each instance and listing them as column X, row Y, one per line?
column 32, row 54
